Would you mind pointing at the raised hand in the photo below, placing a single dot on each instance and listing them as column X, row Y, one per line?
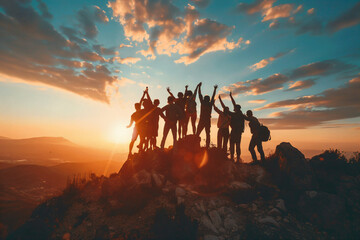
column 216, row 86
column 168, row 89
column 230, row 93
column 186, row 86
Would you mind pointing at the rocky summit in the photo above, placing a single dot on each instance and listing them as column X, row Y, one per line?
column 196, row 193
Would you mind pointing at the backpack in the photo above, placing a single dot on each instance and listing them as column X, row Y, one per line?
column 264, row 133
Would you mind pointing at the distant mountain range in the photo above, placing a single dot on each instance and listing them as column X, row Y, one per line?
column 35, row 169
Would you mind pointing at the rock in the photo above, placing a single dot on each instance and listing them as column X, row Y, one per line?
column 274, row 212
column 311, row 194
column 269, row 220
column 230, row 224
column 206, row 222
column 200, row 206
column 180, row 200
column 293, row 168
column 158, row 179
column 141, row 178
column 215, row 218
column 211, row 237
column 239, row 185
column 280, row 204
column 180, row 192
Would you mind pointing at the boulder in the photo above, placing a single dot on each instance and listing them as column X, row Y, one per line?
column 292, row 168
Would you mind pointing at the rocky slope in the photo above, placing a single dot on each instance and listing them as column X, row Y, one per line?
column 193, row 193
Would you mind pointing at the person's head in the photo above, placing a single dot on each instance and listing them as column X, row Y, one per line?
column 237, row 108
column 226, row 110
column 137, row 106
column 147, row 104
column 170, row 99
column 249, row 113
column 156, row 102
column 180, row 95
column 206, row 98
column 188, row 93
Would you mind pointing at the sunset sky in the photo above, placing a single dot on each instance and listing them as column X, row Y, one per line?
column 75, row 68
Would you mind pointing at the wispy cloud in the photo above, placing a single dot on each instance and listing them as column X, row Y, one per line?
column 348, row 19
column 264, row 62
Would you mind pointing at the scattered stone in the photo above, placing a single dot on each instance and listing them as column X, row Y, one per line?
column 311, row 194
column 239, row 185
column 230, row 224
column 180, row 192
column 280, row 204
column 158, row 179
column 211, row 237
column 269, row 220
column 208, row 224
column 215, row 218
column 274, row 212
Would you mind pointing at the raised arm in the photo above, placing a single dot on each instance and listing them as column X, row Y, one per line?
column 221, row 102
column 216, row 109
column 142, row 98
column 232, row 99
column 168, row 89
column 186, row 88
column 147, row 94
column 193, row 97
column 214, row 93
column 200, row 95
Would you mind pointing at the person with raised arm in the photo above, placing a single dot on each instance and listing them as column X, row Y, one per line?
column 172, row 113
column 136, row 118
column 237, row 128
column 180, row 102
column 153, row 124
column 190, row 109
column 205, row 114
column 223, row 124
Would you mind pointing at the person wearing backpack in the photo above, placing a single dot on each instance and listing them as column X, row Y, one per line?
column 256, row 140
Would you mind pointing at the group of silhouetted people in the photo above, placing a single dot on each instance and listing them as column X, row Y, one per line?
column 179, row 111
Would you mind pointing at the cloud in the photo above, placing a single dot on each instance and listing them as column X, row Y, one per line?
column 44, row 9
column 255, row 7
column 257, row 101
column 128, row 60
column 33, row 51
column 311, row 11
column 87, row 18
column 308, row 111
column 104, row 51
column 201, row 3
column 264, row 62
column 348, row 19
column 280, row 11
column 168, row 30
column 301, row 85
column 321, row 68
column 258, row 86
column 125, row 45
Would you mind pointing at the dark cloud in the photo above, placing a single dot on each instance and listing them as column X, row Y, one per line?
column 103, row 50
column 87, row 18
column 44, row 9
column 72, row 35
column 264, row 62
column 321, row 68
column 32, row 50
column 302, row 25
column 332, row 104
column 201, row 3
column 258, row 86
column 348, row 19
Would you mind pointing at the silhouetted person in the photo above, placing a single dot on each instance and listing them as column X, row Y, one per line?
column 172, row 113
column 237, row 128
column 223, row 125
column 153, row 126
column 190, row 109
column 205, row 114
column 180, row 102
column 137, row 118
column 254, row 125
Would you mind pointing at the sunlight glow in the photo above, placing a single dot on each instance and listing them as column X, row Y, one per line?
column 120, row 134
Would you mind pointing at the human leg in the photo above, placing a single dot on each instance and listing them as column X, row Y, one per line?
column 165, row 133
column 207, row 131
column 193, row 121
column 252, row 148
column 225, row 139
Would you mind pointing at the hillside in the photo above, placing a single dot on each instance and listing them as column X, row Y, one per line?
column 194, row 193
column 47, row 151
